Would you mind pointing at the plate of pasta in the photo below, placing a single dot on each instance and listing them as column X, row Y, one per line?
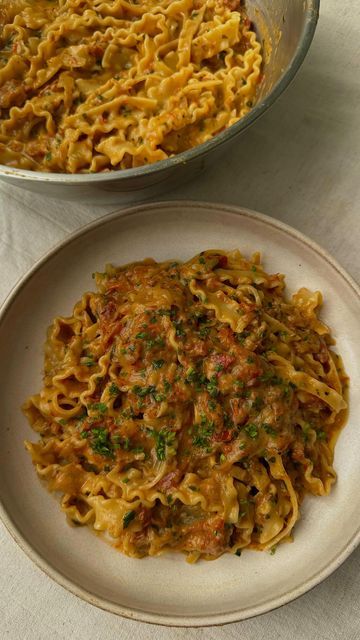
column 185, row 390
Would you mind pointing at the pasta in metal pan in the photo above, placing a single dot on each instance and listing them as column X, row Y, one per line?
column 189, row 407
column 98, row 85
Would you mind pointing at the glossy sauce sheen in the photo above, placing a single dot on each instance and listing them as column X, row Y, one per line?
column 189, row 407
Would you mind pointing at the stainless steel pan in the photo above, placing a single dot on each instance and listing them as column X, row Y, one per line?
column 286, row 28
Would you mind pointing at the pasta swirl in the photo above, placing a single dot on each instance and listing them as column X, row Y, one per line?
column 189, row 407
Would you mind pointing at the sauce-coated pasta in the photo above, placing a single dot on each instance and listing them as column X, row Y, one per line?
column 189, row 407
column 97, row 85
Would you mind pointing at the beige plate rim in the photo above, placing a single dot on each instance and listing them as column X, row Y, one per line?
column 137, row 614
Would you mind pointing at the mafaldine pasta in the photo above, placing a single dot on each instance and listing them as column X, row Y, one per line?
column 99, row 85
column 189, row 407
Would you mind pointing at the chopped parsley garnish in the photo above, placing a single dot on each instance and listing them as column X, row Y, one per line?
column 136, row 450
column 165, row 442
column 202, row 433
column 252, row 431
column 272, row 551
column 143, row 391
column 242, row 336
column 157, row 364
column 321, row 435
column 268, row 429
column 238, row 552
column 159, row 397
column 204, row 332
column 128, row 517
column 101, row 443
column 196, row 378
column 179, row 330
column 114, row 389
column 99, row 406
column 191, row 375
column 212, row 388
column 155, row 342
column 287, row 387
column 126, row 443
column 88, row 362
column 270, row 378
column 170, row 313
column 143, row 335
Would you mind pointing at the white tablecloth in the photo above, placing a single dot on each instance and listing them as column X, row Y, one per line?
column 300, row 163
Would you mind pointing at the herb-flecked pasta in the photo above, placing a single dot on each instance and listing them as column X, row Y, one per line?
column 189, row 407
column 98, row 85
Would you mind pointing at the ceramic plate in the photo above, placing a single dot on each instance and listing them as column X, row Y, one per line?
column 167, row 590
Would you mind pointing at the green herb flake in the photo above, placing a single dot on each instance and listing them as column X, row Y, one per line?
column 88, row 362
column 268, row 429
column 321, row 435
column 155, row 342
column 179, row 331
column 165, row 443
column 143, row 391
column 143, row 335
column 272, row 551
column 101, row 443
column 202, row 433
column 99, row 406
column 204, row 332
column 212, row 388
column 157, row 364
column 241, row 337
column 114, row 389
column 252, row 431
column 126, row 443
column 128, row 518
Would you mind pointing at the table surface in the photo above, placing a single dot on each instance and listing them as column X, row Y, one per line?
column 302, row 166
